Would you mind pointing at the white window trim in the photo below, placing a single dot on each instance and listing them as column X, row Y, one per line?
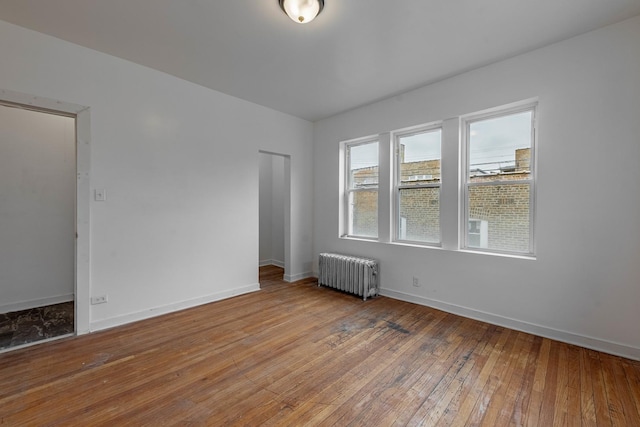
column 396, row 135
column 466, row 121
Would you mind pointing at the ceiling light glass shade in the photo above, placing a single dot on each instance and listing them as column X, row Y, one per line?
column 302, row 11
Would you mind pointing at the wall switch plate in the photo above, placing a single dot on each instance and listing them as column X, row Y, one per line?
column 100, row 299
column 100, row 195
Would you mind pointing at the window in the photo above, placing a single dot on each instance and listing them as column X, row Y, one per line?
column 461, row 183
column 417, row 185
column 361, row 191
column 499, row 181
column 478, row 231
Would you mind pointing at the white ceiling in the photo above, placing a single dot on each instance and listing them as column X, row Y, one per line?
column 354, row 53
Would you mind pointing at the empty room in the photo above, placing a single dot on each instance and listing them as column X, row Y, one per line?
column 308, row 212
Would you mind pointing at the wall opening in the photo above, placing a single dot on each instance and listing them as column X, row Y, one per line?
column 47, row 186
column 274, row 210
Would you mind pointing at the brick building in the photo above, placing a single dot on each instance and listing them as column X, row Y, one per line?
column 498, row 214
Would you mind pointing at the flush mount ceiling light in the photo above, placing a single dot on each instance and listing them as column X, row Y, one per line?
column 302, row 11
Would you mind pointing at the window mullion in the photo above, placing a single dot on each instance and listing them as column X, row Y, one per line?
column 450, row 186
column 385, row 156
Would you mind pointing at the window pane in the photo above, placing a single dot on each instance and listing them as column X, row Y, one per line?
column 363, row 213
column 499, row 217
column 363, row 165
column 500, row 148
column 419, row 215
column 420, row 157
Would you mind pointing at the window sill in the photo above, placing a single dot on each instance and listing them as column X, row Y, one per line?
column 361, row 239
column 440, row 248
column 499, row 254
column 416, row 245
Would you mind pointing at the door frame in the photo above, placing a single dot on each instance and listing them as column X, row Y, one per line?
column 83, row 192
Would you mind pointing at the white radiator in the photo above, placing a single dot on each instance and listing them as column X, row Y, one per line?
column 351, row 274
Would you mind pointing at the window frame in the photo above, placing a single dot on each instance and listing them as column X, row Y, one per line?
column 466, row 122
column 348, row 224
column 397, row 187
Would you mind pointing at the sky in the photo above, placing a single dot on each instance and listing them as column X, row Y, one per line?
column 422, row 146
column 364, row 155
column 493, row 143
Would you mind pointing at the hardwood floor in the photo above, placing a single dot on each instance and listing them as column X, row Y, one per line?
column 296, row 354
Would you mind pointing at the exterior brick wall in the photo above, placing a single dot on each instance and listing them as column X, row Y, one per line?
column 425, row 167
column 365, row 213
column 505, row 208
column 421, row 209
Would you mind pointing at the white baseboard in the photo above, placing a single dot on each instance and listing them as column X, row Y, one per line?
column 169, row 308
column 34, row 343
column 296, row 277
column 271, row 262
column 40, row 302
column 543, row 331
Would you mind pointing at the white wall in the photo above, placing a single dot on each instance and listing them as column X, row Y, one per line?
column 179, row 164
column 265, row 208
column 37, row 208
column 584, row 286
column 277, row 210
column 272, row 208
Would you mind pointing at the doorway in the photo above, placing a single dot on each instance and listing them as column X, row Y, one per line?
column 274, row 210
column 37, row 224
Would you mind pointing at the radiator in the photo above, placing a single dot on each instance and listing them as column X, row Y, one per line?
column 351, row 274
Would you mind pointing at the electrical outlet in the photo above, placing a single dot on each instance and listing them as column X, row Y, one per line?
column 416, row 282
column 100, row 195
column 101, row 299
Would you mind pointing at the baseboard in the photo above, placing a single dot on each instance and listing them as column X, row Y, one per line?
column 169, row 308
column 296, row 277
column 271, row 262
column 543, row 331
column 34, row 343
column 40, row 302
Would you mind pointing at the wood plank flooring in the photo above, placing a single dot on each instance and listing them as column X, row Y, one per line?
column 295, row 354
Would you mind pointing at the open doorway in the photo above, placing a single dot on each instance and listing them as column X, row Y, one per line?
column 37, row 224
column 274, row 211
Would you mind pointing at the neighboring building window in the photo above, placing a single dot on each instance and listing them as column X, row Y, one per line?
column 499, row 181
column 478, row 233
column 361, row 191
column 417, row 185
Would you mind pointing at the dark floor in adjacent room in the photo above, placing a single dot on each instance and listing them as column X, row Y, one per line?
column 35, row 324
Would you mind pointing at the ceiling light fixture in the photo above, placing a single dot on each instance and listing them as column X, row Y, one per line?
column 302, row 11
